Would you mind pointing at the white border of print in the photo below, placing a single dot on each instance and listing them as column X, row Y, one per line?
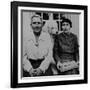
column 81, row 49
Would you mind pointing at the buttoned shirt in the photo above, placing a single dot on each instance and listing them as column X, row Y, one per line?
column 35, row 51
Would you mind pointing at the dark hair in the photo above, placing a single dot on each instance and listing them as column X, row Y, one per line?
column 66, row 20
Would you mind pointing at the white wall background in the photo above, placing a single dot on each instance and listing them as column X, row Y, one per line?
column 5, row 46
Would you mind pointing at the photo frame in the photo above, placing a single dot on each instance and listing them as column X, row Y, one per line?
column 21, row 13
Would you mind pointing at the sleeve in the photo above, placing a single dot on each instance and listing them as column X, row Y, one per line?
column 76, row 49
column 56, row 50
column 48, row 59
column 26, row 64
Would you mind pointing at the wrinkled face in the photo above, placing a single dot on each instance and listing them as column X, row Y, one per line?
column 36, row 24
column 65, row 26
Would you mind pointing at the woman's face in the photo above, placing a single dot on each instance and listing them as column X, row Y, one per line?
column 65, row 26
column 36, row 24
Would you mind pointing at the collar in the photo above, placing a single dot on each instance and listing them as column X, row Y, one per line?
column 41, row 37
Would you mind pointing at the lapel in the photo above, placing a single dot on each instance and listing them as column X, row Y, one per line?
column 32, row 37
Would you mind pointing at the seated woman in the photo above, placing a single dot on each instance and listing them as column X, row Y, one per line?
column 37, row 59
column 66, row 50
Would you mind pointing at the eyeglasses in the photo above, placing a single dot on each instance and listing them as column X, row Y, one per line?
column 36, row 22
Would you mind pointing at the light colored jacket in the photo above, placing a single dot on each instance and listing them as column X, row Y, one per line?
column 44, row 49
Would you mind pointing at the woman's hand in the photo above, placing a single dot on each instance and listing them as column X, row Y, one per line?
column 35, row 72
column 59, row 65
column 32, row 72
column 39, row 71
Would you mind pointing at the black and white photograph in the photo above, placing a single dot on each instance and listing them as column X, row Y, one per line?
column 50, row 44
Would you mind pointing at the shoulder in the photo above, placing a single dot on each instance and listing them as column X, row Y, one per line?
column 45, row 35
column 73, row 35
column 60, row 35
column 46, row 38
column 30, row 35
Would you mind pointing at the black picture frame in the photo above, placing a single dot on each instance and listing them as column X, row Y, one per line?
column 14, row 44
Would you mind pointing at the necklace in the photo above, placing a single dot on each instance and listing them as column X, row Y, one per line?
column 36, row 44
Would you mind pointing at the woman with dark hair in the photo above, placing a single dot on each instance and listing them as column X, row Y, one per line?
column 66, row 50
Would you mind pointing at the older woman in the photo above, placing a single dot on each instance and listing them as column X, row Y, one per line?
column 38, row 51
column 66, row 50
